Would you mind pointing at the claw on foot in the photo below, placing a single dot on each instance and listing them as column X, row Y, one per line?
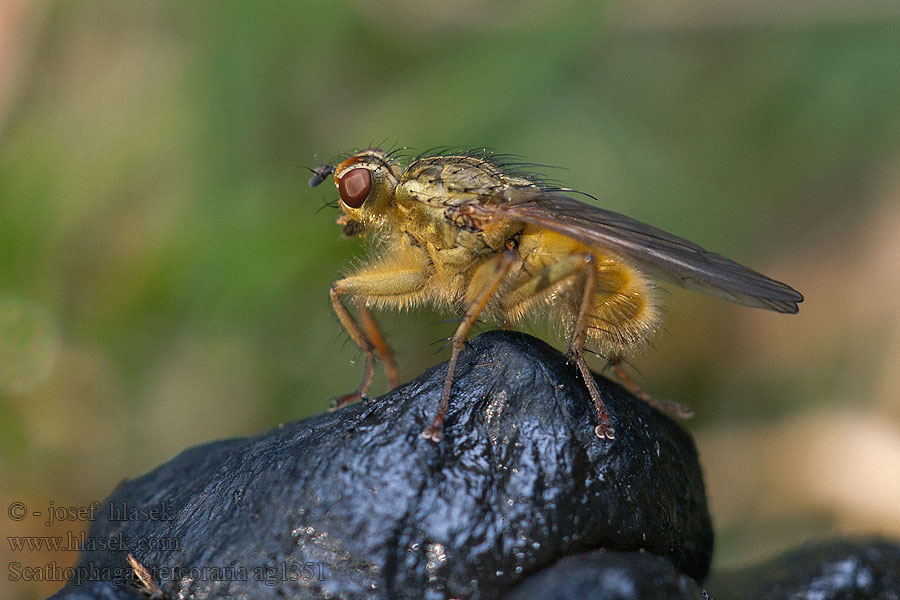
column 682, row 411
column 433, row 434
column 605, row 432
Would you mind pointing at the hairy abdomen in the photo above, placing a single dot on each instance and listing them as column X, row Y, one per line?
column 623, row 314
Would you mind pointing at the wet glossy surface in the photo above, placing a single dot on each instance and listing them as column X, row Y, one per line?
column 518, row 482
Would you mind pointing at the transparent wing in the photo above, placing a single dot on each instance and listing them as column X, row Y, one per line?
column 668, row 256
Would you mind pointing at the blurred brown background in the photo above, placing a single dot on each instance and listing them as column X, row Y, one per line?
column 164, row 268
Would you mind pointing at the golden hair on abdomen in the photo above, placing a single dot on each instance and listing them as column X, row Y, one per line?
column 625, row 314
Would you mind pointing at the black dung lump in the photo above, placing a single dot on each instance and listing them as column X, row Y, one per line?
column 356, row 504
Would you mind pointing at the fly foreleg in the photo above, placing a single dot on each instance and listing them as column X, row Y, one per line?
column 370, row 328
column 381, row 284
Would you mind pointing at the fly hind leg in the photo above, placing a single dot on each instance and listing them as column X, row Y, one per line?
column 604, row 428
column 622, row 321
column 540, row 287
column 676, row 409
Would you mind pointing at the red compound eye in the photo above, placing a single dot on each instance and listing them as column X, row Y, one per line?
column 354, row 187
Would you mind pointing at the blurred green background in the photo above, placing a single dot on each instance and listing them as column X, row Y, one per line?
column 164, row 268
